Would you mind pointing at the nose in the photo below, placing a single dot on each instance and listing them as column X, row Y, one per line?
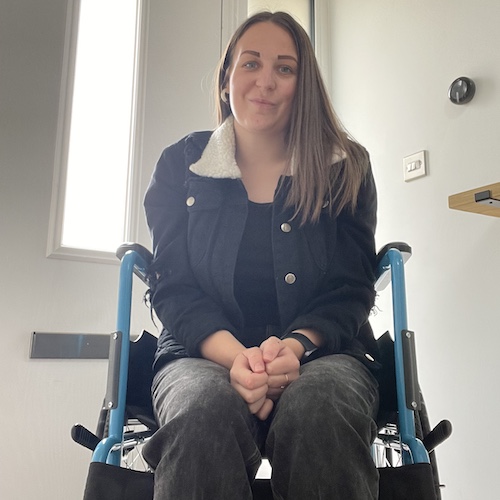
column 266, row 78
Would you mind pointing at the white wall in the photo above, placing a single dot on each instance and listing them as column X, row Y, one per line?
column 392, row 66
column 41, row 400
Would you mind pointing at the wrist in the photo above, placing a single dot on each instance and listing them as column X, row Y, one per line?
column 307, row 346
column 222, row 348
column 296, row 347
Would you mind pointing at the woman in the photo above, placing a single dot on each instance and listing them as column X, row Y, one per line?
column 263, row 236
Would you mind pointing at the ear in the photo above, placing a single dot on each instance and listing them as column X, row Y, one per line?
column 224, row 95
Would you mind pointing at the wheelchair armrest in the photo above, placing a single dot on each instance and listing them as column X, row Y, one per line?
column 384, row 274
column 136, row 247
column 143, row 252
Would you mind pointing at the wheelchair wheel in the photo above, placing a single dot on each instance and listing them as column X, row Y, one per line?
column 388, row 451
column 135, row 436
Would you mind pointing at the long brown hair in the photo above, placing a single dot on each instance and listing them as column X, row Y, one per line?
column 315, row 133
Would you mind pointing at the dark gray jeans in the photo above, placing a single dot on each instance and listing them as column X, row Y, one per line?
column 317, row 439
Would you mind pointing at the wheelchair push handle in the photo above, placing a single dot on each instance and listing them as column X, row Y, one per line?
column 144, row 260
column 383, row 270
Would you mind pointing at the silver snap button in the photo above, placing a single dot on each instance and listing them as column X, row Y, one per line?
column 290, row 278
column 190, row 201
column 325, row 204
column 285, row 227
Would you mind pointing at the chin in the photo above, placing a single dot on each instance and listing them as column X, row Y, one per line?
column 261, row 126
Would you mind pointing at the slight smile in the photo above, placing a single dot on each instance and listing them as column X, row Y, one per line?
column 262, row 103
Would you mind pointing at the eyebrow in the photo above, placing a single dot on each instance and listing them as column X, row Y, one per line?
column 257, row 54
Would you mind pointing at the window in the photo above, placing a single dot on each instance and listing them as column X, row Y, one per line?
column 302, row 10
column 93, row 180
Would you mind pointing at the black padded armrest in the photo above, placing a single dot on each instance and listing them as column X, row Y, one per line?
column 136, row 247
column 404, row 248
column 384, row 275
column 144, row 253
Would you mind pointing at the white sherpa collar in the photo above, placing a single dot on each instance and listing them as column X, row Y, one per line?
column 218, row 158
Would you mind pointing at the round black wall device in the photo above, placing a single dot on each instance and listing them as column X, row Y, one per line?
column 462, row 90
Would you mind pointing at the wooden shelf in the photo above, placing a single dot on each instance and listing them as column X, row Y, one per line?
column 465, row 201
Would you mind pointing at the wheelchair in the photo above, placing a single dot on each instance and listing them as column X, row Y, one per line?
column 403, row 450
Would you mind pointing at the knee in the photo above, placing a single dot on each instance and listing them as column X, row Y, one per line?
column 196, row 390
column 213, row 400
column 193, row 413
column 334, row 392
column 305, row 405
column 214, row 404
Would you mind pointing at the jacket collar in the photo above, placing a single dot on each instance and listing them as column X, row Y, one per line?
column 218, row 158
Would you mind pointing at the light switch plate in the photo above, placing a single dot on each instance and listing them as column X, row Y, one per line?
column 414, row 166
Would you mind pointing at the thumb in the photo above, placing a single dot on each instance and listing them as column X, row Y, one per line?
column 255, row 360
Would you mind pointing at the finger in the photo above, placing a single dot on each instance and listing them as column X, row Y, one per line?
column 248, row 385
column 255, row 359
column 278, row 384
column 282, row 380
column 286, row 362
column 265, row 410
column 247, row 379
column 275, row 394
column 256, row 406
column 253, row 396
column 242, row 371
column 271, row 348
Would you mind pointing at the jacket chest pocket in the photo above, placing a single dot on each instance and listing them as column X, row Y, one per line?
column 321, row 239
column 203, row 202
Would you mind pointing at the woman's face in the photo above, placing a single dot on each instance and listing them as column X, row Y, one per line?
column 262, row 80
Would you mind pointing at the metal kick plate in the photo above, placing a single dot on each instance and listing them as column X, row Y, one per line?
column 69, row 346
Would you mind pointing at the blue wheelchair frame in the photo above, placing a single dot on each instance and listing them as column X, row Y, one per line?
column 391, row 264
column 413, row 448
column 109, row 448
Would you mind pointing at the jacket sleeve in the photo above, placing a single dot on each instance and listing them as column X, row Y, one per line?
column 184, row 309
column 347, row 296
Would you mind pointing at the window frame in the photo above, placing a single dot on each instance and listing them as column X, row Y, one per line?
column 55, row 249
column 323, row 38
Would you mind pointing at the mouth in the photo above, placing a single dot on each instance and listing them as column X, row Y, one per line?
column 262, row 102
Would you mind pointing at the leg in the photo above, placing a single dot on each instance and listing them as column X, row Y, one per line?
column 320, row 437
column 206, row 446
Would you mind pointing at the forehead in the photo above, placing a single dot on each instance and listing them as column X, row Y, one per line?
column 266, row 38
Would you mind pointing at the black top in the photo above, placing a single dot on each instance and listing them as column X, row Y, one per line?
column 254, row 283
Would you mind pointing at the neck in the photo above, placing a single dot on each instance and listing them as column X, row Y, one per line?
column 262, row 161
column 260, row 152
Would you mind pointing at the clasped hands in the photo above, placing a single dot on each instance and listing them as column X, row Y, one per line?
column 261, row 374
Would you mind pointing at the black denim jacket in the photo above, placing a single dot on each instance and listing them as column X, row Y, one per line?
column 324, row 271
